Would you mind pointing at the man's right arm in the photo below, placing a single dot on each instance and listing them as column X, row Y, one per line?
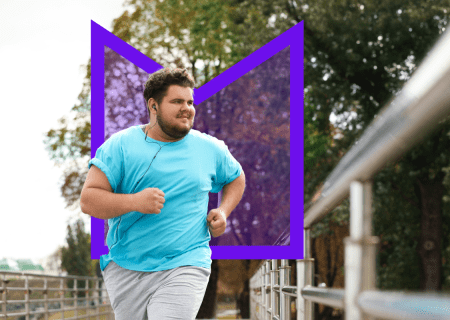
column 99, row 200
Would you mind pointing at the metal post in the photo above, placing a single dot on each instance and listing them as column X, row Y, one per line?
column 258, row 298
column 283, row 314
column 86, row 295
column 27, row 299
column 359, row 249
column 309, row 274
column 97, row 296
column 46, row 298
column 62, row 296
column 75, row 286
column 252, row 297
column 268, row 295
column 261, row 287
column 273, row 302
column 287, row 281
column 300, row 286
column 4, row 295
column 263, row 292
column 305, row 277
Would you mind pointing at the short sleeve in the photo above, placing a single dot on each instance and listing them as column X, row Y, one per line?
column 227, row 168
column 109, row 159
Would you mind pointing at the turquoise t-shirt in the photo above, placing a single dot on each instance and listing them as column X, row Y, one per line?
column 186, row 171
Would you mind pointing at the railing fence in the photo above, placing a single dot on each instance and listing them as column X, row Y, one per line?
column 31, row 296
column 421, row 106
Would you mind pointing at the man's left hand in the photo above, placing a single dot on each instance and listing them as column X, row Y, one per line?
column 217, row 222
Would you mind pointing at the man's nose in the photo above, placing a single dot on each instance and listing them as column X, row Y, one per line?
column 185, row 107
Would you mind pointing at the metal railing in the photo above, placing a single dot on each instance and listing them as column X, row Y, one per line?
column 418, row 109
column 271, row 293
column 37, row 296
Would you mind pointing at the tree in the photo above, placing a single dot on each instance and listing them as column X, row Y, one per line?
column 192, row 33
column 75, row 257
column 355, row 75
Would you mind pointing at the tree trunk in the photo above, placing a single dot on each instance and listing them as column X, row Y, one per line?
column 429, row 247
column 244, row 297
column 208, row 308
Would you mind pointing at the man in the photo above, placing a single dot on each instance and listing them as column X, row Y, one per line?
column 152, row 182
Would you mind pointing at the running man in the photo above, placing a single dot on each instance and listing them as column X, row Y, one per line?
column 152, row 182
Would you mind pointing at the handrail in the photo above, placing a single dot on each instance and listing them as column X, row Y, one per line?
column 96, row 298
column 43, row 275
column 419, row 107
column 381, row 304
column 401, row 305
column 326, row 296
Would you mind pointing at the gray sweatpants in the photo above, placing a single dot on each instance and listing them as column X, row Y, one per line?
column 169, row 294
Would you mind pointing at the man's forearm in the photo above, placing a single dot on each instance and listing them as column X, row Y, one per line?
column 104, row 204
column 232, row 194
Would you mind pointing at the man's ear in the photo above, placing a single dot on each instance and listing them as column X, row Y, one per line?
column 150, row 103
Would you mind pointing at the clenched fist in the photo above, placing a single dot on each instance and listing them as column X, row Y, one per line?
column 149, row 200
column 217, row 222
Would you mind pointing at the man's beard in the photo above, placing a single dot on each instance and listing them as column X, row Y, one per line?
column 172, row 130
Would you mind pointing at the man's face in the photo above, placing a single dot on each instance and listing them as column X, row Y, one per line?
column 175, row 115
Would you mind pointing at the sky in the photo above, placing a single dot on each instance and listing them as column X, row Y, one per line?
column 43, row 46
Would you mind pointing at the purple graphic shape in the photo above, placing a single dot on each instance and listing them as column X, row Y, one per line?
column 251, row 115
column 292, row 38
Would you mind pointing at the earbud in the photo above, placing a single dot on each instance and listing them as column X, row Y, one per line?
column 154, row 107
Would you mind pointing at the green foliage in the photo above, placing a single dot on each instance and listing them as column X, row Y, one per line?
column 446, row 232
column 398, row 263
column 182, row 33
column 397, row 223
column 358, row 55
column 65, row 143
column 316, row 143
column 318, row 157
column 338, row 216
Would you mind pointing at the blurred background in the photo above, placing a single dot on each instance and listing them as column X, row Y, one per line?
column 357, row 56
column 44, row 50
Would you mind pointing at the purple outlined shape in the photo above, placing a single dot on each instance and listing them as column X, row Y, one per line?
column 292, row 38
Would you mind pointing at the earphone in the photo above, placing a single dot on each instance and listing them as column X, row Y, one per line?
column 154, row 107
column 139, row 180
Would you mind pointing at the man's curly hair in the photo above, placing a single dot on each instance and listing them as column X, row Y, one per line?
column 159, row 82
